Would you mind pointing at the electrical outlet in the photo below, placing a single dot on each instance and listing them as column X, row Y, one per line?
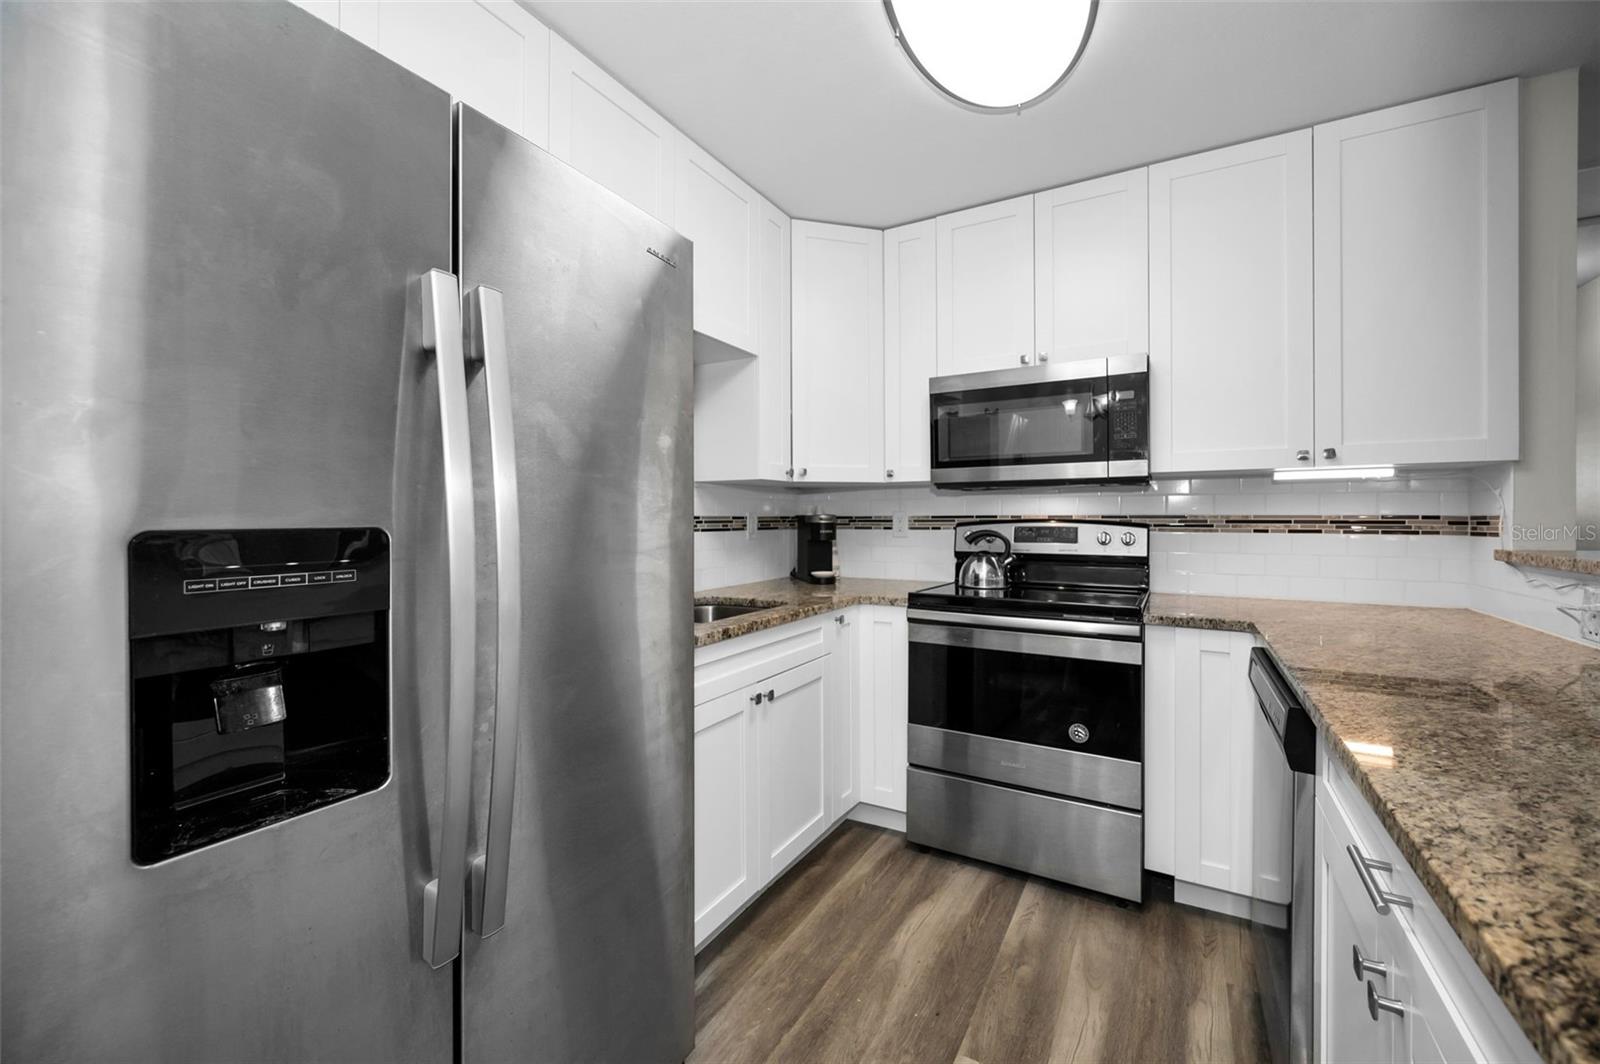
column 1591, row 625
column 902, row 526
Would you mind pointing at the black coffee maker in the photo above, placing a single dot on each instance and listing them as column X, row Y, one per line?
column 816, row 556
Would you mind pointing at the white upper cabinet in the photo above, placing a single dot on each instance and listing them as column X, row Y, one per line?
column 909, row 349
column 1416, row 281
column 722, row 215
column 838, row 353
column 1091, row 277
column 741, row 404
column 609, row 133
column 489, row 54
column 1230, row 308
column 773, row 343
column 985, row 286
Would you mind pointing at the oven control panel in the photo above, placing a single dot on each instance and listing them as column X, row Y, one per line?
column 1077, row 538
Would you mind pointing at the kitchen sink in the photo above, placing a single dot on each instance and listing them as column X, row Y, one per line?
column 721, row 611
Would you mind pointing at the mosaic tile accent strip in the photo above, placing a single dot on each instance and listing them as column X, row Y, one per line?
column 719, row 524
column 1483, row 526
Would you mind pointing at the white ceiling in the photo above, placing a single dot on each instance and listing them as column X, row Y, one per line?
column 812, row 103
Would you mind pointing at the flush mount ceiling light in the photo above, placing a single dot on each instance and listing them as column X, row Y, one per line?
column 998, row 55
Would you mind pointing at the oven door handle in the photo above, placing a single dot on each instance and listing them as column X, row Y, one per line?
column 1042, row 644
column 1042, row 625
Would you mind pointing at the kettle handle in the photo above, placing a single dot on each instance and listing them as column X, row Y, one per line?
column 977, row 535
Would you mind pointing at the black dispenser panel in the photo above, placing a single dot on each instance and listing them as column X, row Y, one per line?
column 260, row 678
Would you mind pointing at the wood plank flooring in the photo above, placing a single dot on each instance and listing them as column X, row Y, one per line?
column 873, row 950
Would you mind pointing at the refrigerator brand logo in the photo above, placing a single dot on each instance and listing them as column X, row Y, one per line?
column 668, row 259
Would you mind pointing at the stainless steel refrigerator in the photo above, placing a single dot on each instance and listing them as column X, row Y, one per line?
column 344, row 561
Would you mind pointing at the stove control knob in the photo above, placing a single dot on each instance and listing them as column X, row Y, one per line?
column 1078, row 733
column 1128, row 538
column 1103, row 538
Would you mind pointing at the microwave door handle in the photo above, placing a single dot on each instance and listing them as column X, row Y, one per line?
column 486, row 350
column 442, row 899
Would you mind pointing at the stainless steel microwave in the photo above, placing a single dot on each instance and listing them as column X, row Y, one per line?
column 1085, row 421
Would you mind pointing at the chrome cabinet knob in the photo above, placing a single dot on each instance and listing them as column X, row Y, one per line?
column 1026, row 360
column 802, row 470
column 1365, row 966
column 1329, row 452
column 772, row 696
column 756, row 698
column 889, row 473
column 839, row 619
column 1302, row 456
column 1377, row 1004
column 1044, row 356
column 789, row 473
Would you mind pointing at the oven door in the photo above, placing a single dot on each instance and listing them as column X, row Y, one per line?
column 1050, row 706
column 1036, row 424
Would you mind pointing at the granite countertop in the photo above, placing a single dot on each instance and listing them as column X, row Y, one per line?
column 1565, row 561
column 793, row 600
column 1493, row 792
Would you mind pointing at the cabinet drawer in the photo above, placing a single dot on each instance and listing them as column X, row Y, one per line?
column 724, row 667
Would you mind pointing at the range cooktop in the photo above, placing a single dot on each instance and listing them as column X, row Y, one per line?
column 1024, row 601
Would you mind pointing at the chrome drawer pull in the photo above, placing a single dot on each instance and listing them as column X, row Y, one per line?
column 1365, row 965
column 1377, row 1004
column 1381, row 899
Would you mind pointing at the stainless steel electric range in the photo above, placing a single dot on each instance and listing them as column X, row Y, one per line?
column 1026, row 736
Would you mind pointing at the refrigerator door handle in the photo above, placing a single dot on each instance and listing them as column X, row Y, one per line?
column 486, row 347
column 442, row 898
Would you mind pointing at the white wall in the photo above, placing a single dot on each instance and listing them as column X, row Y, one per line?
column 1588, row 416
column 1544, row 510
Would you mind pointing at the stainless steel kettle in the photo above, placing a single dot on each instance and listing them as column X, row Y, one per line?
column 985, row 570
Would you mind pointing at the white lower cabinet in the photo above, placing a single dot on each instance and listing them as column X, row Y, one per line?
column 1213, row 785
column 727, row 848
column 1435, row 1003
column 792, row 761
column 881, row 645
column 794, row 728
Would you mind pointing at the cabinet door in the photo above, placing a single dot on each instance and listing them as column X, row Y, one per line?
column 910, row 353
column 1346, row 1031
column 883, row 712
column 609, row 133
column 838, row 353
column 1091, row 268
column 1216, row 754
column 1416, row 281
column 792, row 740
column 1230, row 308
column 985, row 284
column 1161, row 750
column 722, row 215
column 489, row 54
column 727, row 852
column 772, row 344
column 842, row 695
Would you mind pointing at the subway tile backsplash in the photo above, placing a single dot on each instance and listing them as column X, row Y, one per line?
column 1405, row 540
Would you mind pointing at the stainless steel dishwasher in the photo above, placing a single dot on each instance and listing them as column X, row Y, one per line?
column 1285, row 940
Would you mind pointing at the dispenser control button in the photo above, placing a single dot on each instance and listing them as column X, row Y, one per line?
column 263, row 581
column 344, row 576
column 198, row 587
column 232, row 583
column 292, row 580
column 320, row 578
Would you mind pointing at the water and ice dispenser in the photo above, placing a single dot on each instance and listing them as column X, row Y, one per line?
column 260, row 677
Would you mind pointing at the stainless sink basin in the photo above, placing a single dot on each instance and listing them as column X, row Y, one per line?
column 721, row 611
